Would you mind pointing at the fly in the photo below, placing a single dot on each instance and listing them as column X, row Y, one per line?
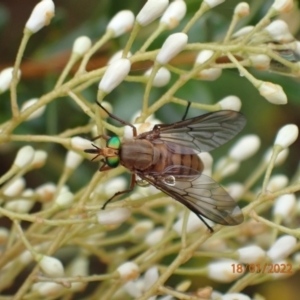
column 166, row 157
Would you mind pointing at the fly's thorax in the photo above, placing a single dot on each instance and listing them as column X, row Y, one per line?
column 137, row 154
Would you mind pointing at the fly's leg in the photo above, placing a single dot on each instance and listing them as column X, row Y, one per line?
column 101, row 136
column 118, row 119
column 132, row 184
column 186, row 111
column 209, row 228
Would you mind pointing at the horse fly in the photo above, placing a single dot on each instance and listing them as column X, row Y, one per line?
column 167, row 157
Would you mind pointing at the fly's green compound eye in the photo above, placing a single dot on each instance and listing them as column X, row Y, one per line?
column 114, row 143
column 113, row 161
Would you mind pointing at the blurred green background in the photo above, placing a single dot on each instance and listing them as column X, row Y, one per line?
column 49, row 49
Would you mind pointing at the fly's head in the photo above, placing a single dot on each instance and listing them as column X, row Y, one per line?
column 110, row 152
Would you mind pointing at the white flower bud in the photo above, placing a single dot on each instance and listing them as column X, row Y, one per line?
column 15, row 188
column 21, row 205
column 113, row 216
column 273, row 93
column 114, row 185
column 4, row 234
column 222, row 271
column 128, row 271
column 283, row 6
column 285, row 205
column 41, row 16
column 260, row 61
column 141, row 128
column 243, row 31
column 207, row 160
column 46, row 192
column 203, row 56
column 80, row 143
column 280, row 159
column 51, row 266
column 235, row 190
column 242, row 9
column 64, row 199
column 24, row 157
column 79, row 267
column 81, row 45
column 193, row 224
column 6, row 76
column 209, row 74
column 37, row 113
column 150, row 277
column 174, row 44
column 121, row 23
column 213, row 3
column 151, row 11
column 141, row 228
column 117, row 56
column 245, row 147
column 174, row 14
column 162, row 77
column 282, row 248
column 277, row 182
column 286, row 135
column 39, row 159
column 155, row 236
column 279, row 32
column 73, row 160
column 228, row 169
column 49, row 289
column 235, row 296
column 231, row 103
column 114, row 75
column 251, row 254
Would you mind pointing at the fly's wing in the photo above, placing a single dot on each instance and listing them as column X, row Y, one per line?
column 201, row 134
column 199, row 193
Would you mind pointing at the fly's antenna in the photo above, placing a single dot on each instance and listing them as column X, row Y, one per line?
column 97, row 151
column 117, row 119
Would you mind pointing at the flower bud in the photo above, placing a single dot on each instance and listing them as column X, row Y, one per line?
column 141, row 228
column 21, row 205
column 273, row 93
column 231, row 103
column 39, row 159
column 46, row 192
column 235, row 296
column 80, row 143
column 283, row 6
column 15, row 188
column 260, row 61
column 140, row 128
column 37, row 113
column 228, row 169
column 6, row 76
column 235, row 190
column 116, row 56
column 41, row 16
column 121, row 23
column 279, row 32
column 286, row 135
column 280, row 159
column 207, row 160
column 113, row 216
column 242, row 9
column 114, row 185
column 64, row 199
column 277, row 182
column 213, row 3
column 251, row 254
column 73, row 160
column 222, row 271
column 150, row 277
column 128, row 271
column 24, row 157
column 114, row 74
column 284, row 205
column 79, row 267
column 282, row 248
column 245, row 147
column 81, row 45
column 243, row 31
column 162, row 77
column 51, row 266
column 174, row 44
column 174, row 14
column 47, row 289
column 151, row 11
column 193, row 224
column 209, row 74
column 155, row 236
